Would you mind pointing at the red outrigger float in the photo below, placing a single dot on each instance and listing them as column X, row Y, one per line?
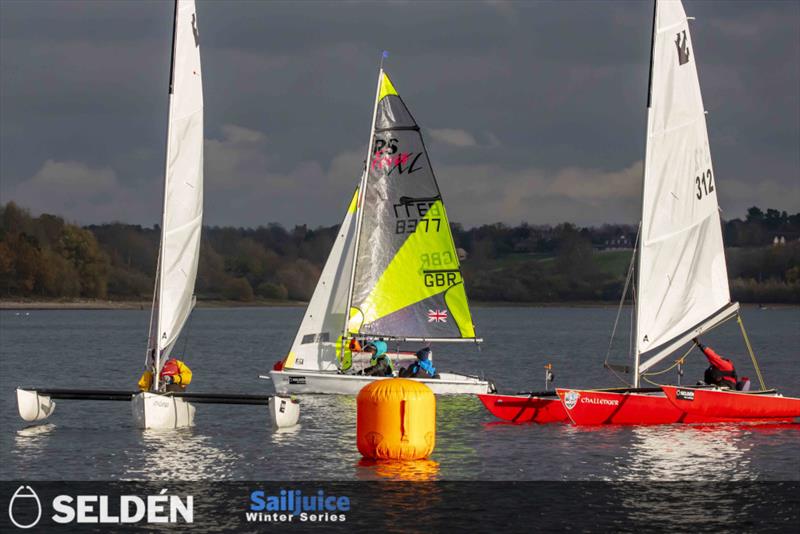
column 664, row 405
column 733, row 405
column 538, row 407
column 636, row 406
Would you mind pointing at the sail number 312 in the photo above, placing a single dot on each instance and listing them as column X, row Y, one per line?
column 705, row 184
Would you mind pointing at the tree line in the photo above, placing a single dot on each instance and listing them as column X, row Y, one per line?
column 46, row 257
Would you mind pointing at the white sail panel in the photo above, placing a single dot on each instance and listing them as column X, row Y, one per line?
column 183, row 189
column 682, row 272
column 316, row 343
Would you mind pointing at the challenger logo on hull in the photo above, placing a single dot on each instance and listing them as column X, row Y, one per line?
column 571, row 399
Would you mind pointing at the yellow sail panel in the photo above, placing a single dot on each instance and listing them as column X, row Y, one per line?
column 406, row 267
column 387, row 88
column 456, row 300
column 425, row 266
column 353, row 203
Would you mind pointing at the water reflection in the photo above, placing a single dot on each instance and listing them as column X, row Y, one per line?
column 688, row 452
column 180, row 455
column 32, row 440
column 397, row 470
column 284, row 435
column 24, row 435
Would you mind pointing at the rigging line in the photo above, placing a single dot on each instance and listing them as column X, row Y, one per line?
column 637, row 252
column 750, row 350
column 671, row 367
column 633, row 319
column 644, row 377
column 618, row 377
column 624, row 293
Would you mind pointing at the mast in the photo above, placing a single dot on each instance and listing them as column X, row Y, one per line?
column 359, row 208
column 160, row 278
column 637, row 285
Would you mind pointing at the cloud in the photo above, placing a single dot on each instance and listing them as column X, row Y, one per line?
column 453, row 137
column 79, row 193
column 539, row 196
column 544, row 103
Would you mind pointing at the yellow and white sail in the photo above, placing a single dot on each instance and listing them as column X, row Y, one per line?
column 407, row 280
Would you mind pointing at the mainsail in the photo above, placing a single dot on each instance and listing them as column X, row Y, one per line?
column 407, row 280
column 183, row 187
column 318, row 340
column 682, row 276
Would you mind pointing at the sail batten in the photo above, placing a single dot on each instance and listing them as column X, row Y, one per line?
column 682, row 275
column 182, row 215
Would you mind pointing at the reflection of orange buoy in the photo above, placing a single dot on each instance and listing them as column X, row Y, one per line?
column 396, row 420
column 412, row 470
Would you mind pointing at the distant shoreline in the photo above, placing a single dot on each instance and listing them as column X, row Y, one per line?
column 94, row 304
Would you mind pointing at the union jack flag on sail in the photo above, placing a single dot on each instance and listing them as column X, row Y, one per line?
column 437, row 316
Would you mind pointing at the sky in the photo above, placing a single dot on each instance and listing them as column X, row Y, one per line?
column 531, row 111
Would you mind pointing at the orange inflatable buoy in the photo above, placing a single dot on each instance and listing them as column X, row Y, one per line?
column 396, row 420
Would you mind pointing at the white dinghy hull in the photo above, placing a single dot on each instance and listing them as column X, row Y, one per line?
column 284, row 412
column 297, row 382
column 161, row 412
column 34, row 407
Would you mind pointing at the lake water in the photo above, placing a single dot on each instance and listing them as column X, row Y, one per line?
column 228, row 348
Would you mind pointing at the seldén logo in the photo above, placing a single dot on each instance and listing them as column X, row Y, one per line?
column 290, row 505
column 22, row 503
column 25, row 509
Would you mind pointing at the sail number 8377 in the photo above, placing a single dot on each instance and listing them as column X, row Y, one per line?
column 704, row 184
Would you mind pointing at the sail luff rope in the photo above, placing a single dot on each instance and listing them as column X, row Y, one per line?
column 160, row 278
column 362, row 195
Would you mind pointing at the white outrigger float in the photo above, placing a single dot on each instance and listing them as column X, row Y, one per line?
column 393, row 265
column 182, row 221
column 153, row 410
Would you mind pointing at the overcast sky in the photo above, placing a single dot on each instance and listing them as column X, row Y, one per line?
column 531, row 111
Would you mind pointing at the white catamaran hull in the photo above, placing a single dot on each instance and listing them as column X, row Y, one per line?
column 34, row 407
column 299, row 382
column 160, row 412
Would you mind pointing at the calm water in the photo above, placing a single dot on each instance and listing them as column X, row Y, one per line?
column 228, row 348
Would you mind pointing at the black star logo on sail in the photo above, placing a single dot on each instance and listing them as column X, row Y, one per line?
column 195, row 32
column 683, row 47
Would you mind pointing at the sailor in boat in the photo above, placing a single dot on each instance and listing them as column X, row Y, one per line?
column 146, row 380
column 380, row 363
column 175, row 375
column 422, row 368
column 721, row 372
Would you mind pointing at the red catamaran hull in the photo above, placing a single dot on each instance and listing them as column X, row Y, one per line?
column 525, row 408
column 735, row 405
column 589, row 407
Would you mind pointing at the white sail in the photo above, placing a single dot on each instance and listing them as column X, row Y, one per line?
column 683, row 279
column 183, row 184
column 316, row 344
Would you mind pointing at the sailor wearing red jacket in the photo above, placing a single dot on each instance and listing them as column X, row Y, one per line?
column 721, row 372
